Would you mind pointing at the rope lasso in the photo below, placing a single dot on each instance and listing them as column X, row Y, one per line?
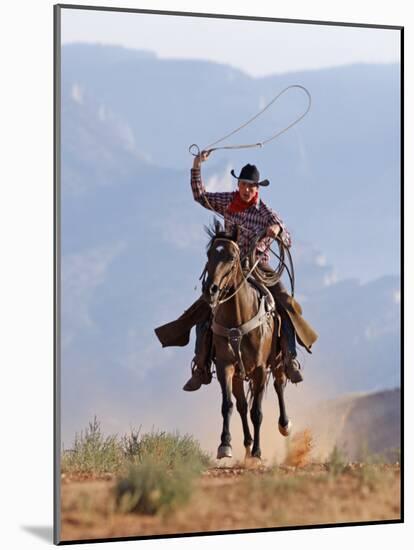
column 270, row 279
column 211, row 147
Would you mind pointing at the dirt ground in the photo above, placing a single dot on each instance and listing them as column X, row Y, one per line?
column 234, row 498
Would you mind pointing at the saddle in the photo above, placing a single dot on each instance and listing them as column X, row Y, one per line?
column 263, row 291
column 271, row 305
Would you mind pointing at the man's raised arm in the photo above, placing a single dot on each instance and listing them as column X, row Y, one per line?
column 212, row 201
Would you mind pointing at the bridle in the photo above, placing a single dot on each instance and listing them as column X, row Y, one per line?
column 223, row 289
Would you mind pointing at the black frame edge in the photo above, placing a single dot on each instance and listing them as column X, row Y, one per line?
column 402, row 278
column 56, row 272
column 232, row 532
column 229, row 16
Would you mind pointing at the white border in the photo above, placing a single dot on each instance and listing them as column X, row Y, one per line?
column 26, row 283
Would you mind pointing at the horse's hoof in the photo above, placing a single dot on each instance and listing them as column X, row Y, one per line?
column 224, row 451
column 248, row 452
column 285, row 430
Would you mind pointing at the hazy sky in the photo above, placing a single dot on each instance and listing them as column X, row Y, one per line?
column 257, row 47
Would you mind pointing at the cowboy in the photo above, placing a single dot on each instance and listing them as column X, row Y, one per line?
column 244, row 208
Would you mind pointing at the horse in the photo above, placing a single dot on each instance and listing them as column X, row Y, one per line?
column 242, row 341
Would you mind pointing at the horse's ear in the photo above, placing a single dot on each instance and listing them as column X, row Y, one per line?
column 235, row 233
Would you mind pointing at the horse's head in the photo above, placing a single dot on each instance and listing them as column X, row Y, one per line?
column 223, row 258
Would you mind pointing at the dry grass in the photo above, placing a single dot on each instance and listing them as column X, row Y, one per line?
column 229, row 498
column 163, row 483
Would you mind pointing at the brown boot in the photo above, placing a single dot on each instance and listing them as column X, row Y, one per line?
column 292, row 369
column 200, row 375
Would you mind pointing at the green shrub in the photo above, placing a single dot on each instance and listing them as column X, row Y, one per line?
column 169, row 449
column 92, row 452
column 149, row 488
column 336, row 462
column 130, row 443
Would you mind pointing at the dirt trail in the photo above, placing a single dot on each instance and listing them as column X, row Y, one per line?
column 235, row 498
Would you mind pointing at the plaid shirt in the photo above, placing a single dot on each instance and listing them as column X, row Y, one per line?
column 253, row 220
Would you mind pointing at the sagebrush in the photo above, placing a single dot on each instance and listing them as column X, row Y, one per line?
column 95, row 453
column 150, row 488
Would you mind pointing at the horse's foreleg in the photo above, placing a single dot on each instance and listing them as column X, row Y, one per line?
column 242, row 408
column 224, row 376
column 256, row 410
column 285, row 425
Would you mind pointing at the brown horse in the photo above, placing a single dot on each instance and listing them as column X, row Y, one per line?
column 240, row 354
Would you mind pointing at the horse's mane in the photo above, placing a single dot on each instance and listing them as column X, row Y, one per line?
column 216, row 230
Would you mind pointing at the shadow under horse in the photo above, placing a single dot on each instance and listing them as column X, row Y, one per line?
column 245, row 341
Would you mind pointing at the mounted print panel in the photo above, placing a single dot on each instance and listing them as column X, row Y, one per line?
column 228, row 274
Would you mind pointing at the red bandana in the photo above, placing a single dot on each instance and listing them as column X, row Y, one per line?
column 238, row 205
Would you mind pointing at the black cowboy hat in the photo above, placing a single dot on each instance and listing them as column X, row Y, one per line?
column 250, row 173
